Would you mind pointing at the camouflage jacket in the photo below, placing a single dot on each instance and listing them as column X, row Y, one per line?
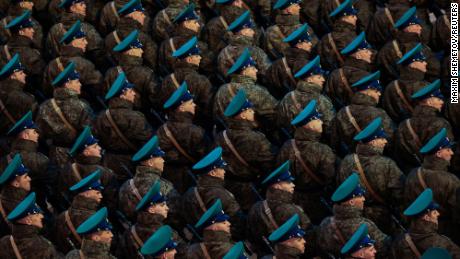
column 285, row 252
column 366, row 11
column 15, row 11
column 162, row 24
column 91, row 250
column 109, row 18
column 10, row 197
column 217, row 244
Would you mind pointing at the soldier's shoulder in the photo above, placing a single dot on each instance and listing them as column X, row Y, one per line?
column 74, row 254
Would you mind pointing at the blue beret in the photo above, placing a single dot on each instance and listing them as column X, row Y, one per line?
column 68, row 74
column 180, row 96
column 130, row 7
column 130, row 42
column 372, row 131
column 344, row 9
column 149, row 150
column 160, row 242
column 236, row 252
column 290, row 229
column 283, row 4
column 152, row 197
column 370, row 81
column 244, row 21
column 360, row 239
column 408, row 18
column 24, row 208
column 436, row 253
column 349, row 189
column 213, row 215
column 313, row 67
column 97, row 222
column 423, row 204
column 68, row 3
column 437, row 142
column 298, row 35
column 210, row 162
column 238, row 104
column 14, row 168
column 24, row 123
column 90, row 182
column 308, row 114
column 189, row 48
column 244, row 60
column 357, row 44
column 84, row 140
column 281, row 174
column 413, row 55
column 20, row 22
column 13, row 65
column 120, row 85
column 431, row 90
column 73, row 33
column 187, row 14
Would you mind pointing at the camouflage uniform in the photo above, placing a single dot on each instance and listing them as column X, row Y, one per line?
column 282, row 208
column 13, row 12
column 257, row 152
column 109, row 18
column 384, row 178
column 91, row 250
column 10, row 197
column 217, row 244
column 321, row 160
column 162, row 25
column 79, row 211
column 346, row 220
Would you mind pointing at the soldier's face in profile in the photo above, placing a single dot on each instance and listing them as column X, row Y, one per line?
column 22, row 181
column 220, row 226
column 414, row 28
column 80, row 43
column 26, row 5
column 74, row 85
column 419, row 65
column 102, row 237
column 136, row 52
column 93, row 195
column 238, row 3
column 35, row 220
column 316, row 79
column 79, row 8
column 315, row 126
column 373, row 93
column 129, row 95
column 379, row 143
column 138, row 16
column 19, row 76
column 357, row 202
column 305, row 45
column 297, row 243
column 293, row 9
column 194, row 59
column 285, row 186
column 218, row 173
column 93, row 150
column 248, row 115
column 432, row 216
column 365, row 253
column 365, row 55
column 28, row 32
column 192, row 25
column 30, row 134
column 351, row 19
column 445, row 154
column 247, row 32
column 158, row 163
column 188, row 106
column 435, row 102
column 159, row 209
column 169, row 254
column 250, row 72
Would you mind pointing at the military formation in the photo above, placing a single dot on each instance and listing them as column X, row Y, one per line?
column 227, row 129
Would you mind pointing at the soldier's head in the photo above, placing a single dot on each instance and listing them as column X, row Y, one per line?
column 414, row 59
column 97, row 228
column 86, row 145
column 154, row 202
column 89, row 187
column 130, row 46
column 300, row 39
column 188, row 19
column 16, row 174
column 345, row 12
column 439, row 146
column 74, row 6
column 25, row 129
column 423, row 208
column 181, row 101
column 122, row 88
column 430, row 95
column 350, row 193
column 27, row 212
column 369, row 85
column 75, row 37
column 359, row 49
column 312, row 72
column 309, row 118
column 189, row 52
column 280, row 179
column 360, row 245
column 243, row 26
column 69, row 78
column 236, row 3
column 14, row 70
column 22, row 25
column 291, row 7
column 133, row 10
column 150, row 155
column 24, row 5
column 290, row 235
column 160, row 244
column 373, row 135
column 212, row 164
column 409, row 22
column 214, row 219
column 244, row 65
column 240, row 108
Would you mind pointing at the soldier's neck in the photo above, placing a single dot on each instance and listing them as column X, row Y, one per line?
column 184, row 117
column 149, row 220
column 87, row 160
column 287, row 20
column 80, row 202
column 286, row 252
column 432, row 162
column 302, row 134
column 216, row 236
column 420, row 226
column 346, row 211
column 363, row 99
column 406, row 37
column 408, row 73
column 20, row 231
column 275, row 195
column 94, row 249
column 425, row 111
column 70, row 51
column 357, row 63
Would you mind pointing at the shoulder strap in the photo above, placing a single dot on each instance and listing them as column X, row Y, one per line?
column 118, row 132
column 5, row 23
column 396, row 48
column 227, row 55
column 115, row 35
column 58, row 111
column 345, row 81
column 363, row 178
column 199, row 199
column 119, row 69
column 334, row 48
column 268, row 212
column 294, row 100
column 288, row 70
column 5, row 111
column 75, row 171
column 114, row 9
column 305, row 168
column 174, row 80
column 2, row 211
column 7, row 51
column 205, row 251
column 234, row 151
column 389, row 16
column 421, row 179
column 352, row 119
column 403, row 98
column 224, row 23
column 171, row 44
column 70, row 225
column 414, row 135
column 166, row 16
column 137, row 240
column 134, row 189
column 80, row 252
column 59, row 64
column 15, row 248
column 338, row 234
column 176, row 144
column 412, row 246
column 446, row 20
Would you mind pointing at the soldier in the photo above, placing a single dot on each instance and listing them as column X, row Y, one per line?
column 440, row 39
column 348, row 207
column 132, row 17
column 265, row 216
column 161, row 244
column 86, row 154
column 279, row 77
column 380, row 175
column 183, row 141
column 122, row 130
column 210, row 186
column 424, row 124
column 149, row 169
column 406, row 38
column 366, row 11
column 422, row 234
column 25, row 241
column 112, row 15
column 215, row 229
column 72, row 49
column 16, row 184
column 162, row 25
column 358, row 62
column 21, row 42
column 288, row 239
column 249, row 153
column 360, row 245
column 351, row 119
column 97, row 235
column 237, row 252
column 310, row 80
column 343, row 32
column 434, row 174
column 313, row 163
column 63, row 116
column 396, row 99
column 86, row 201
column 152, row 211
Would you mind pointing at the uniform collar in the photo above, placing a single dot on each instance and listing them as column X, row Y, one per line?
column 127, row 61
column 286, row 252
column 357, row 63
column 88, row 160
column 20, row 231
column 182, row 117
column 421, row 227
column 82, row 203
column 287, row 20
column 118, row 103
column 407, row 73
column 62, row 93
column 93, row 249
column 406, row 37
column 216, row 236
column 143, row 171
column 128, row 24
column 367, row 150
column 241, row 79
column 363, row 99
column 70, row 51
column 148, row 220
column 240, row 40
column 343, row 212
column 302, row 134
column 240, row 124
column 432, row 162
column 425, row 111
column 20, row 41
column 279, row 196
column 9, row 85
column 68, row 18
column 207, row 180
column 24, row 145
column 13, row 194
column 309, row 88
